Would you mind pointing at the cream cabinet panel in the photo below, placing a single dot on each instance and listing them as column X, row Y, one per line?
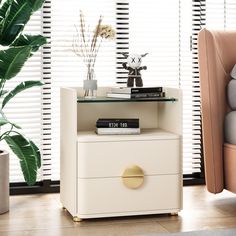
column 110, row 195
column 109, row 159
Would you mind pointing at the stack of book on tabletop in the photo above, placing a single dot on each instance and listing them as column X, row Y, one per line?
column 117, row 126
column 136, row 92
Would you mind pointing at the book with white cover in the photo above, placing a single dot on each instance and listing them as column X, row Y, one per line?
column 119, row 95
column 118, row 130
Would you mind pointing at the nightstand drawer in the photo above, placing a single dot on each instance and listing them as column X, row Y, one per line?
column 110, row 195
column 110, row 159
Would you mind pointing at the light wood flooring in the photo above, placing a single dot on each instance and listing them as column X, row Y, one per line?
column 42, row 215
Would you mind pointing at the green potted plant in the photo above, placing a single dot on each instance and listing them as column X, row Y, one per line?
column 16, row 49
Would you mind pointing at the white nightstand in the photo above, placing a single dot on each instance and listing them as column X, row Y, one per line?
column 119, row 175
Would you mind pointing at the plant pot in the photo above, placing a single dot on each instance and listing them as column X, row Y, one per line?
column 90, row 88
column 4, row 182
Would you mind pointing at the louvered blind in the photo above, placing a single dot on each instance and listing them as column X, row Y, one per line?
column 154, row 29
column 122, row 39
column 69, row 69
column 230, row 13
column 220, row 14
column 26, row 108
column 167, row 30
column 215, row 14
column 46, row 129
column 194, row 157
column 31, row 109
column 164, row 31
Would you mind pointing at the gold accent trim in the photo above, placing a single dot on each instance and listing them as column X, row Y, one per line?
column 77, row 219
column 174, row 214
column 133, row 177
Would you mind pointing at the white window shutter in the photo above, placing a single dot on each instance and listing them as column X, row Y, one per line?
column 167, row 30
column 25, row 108
column 67, row 69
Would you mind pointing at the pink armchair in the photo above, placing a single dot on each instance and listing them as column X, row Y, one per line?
column 217, row 56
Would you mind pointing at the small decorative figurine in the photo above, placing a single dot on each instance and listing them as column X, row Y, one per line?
column 134, row 68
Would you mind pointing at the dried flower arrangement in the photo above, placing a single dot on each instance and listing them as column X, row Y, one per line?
column 86, row 42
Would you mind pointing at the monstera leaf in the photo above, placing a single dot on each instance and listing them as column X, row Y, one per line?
column 3, row 93
column 4, row 121
column 12, row 60
column 19, row 88
column 4, row 10
column 35, row 41
column 14, row 15
column 36, row 4
column 15, row 18
column 36, row 153
column 28, row 154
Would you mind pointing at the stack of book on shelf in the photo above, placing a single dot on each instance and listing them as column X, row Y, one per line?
column 136, row 92
column 118, row 126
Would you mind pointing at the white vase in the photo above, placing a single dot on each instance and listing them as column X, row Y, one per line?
column 4, row 182
column 90, row 89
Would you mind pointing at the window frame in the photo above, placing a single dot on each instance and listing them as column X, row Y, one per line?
column 51, row 186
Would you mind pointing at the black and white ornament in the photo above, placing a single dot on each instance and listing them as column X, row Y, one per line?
column 133, row 66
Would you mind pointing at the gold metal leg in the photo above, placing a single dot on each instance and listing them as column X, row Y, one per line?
column 76, row 219
column 174, row 213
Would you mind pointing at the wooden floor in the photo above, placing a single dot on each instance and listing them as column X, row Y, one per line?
column 42, row 215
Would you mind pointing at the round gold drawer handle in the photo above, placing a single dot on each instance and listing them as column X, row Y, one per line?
column 133, row 177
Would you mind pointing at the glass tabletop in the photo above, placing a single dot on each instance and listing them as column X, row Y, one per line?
column 106, row 99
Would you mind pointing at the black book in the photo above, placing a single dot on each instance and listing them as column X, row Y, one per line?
column 135, row 90
column 136, row 95
column 148, row 95
column 117, row 123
